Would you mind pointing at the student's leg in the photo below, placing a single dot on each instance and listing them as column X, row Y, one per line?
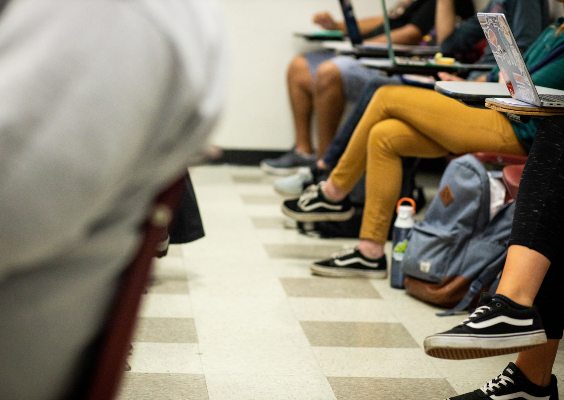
column 300, row 90
column 329, row 104
column 341, row 139
column 410, row 122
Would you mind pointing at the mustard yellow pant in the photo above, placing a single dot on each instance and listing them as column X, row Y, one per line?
column 403, row 121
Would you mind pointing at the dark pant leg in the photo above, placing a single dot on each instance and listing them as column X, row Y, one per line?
column 539, row 217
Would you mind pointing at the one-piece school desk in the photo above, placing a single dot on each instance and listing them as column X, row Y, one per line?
column 379, row 50
column 482, row 95
column 421, row 67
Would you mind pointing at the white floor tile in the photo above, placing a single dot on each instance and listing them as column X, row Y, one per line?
column 160, row 358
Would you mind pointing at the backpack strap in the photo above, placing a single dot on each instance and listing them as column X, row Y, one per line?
column 556, row 54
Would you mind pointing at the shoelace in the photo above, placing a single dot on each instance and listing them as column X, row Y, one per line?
column 344, row 252
column 495, row 383
column 309, row 194
column 476, row 313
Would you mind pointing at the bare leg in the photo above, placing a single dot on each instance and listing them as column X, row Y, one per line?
column 301, row 102
column 537, row 363
column 523, row 274
column 329, row 103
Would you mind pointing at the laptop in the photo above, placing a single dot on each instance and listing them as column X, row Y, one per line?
column 511, row 64
column 416, row 64
column 350, row 21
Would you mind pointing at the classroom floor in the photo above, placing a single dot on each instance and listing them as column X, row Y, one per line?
column 237, row 315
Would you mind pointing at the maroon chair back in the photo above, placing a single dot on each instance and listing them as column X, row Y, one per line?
column 111, row 358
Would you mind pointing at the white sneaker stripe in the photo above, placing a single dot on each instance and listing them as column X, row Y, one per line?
column 317, row 205
column 520, row 395
column 343, row 263
column 498, row 320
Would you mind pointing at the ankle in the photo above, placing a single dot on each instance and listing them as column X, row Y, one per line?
column 516, row 296
column 332, row 193
column 370, row 249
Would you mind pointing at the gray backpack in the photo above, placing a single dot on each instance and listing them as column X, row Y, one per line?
column 456, row 251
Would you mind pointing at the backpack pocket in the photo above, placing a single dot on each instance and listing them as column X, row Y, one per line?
column 427, row 254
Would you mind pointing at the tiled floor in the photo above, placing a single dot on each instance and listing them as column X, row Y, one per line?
column 237, row 315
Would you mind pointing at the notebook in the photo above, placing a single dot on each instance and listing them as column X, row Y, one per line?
column 350, row 21
column 430, row 65
column 512, row 66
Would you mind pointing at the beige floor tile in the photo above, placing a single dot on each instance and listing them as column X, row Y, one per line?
column 139, row 386
column 166, row 330
column 329, row 288
column 358, row 334
column 390, row 388
column 269, row 387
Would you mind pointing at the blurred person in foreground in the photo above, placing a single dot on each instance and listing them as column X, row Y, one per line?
column 103, row 105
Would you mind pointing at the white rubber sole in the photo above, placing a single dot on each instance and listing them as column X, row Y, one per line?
column 458, row 347
column 287, row 194
column 317, row 217
column 278, row 171
column 348, row 272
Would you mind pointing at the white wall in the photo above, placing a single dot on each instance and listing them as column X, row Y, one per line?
column 257, row 115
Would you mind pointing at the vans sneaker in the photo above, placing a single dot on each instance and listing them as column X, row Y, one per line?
column 498, row 326
column 351, row 263
column 293, row 185
column 313, row 206
column 512, row 384
column 288, row 163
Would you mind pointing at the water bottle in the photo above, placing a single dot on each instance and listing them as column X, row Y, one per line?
column 402, row 226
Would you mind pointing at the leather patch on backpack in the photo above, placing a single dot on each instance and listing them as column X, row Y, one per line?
column 446, row 196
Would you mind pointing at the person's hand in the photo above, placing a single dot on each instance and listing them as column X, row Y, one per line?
column 445, row 76
column 326, row 21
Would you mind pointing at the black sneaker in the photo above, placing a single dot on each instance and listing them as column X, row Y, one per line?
column 498, row 326
column 512, row 384
column 288, row 163
column 312, row 206
column 351, row 263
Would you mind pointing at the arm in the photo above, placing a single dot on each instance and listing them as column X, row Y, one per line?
column 365, row 25
column 407, row 34
column 445, row 19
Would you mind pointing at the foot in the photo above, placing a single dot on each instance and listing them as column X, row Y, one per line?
column 512, row 384
column 313, row 206
column 351, row 263
column 498, row 326
column 293, row 185
column 288, row 163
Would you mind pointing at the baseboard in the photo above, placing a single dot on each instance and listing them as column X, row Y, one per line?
column 246, row 157
column 254, row 157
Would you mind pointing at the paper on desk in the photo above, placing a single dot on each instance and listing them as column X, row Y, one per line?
column 512, row 102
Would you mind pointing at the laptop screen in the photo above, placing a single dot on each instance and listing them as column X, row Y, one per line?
column 350, row 21
column 508, row 57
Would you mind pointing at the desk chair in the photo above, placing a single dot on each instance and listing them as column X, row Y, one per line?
column 110, row 361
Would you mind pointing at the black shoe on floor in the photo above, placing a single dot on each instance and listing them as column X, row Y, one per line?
column 498, row 326
column 512, row 384
column 351, row 263
column 313, row 206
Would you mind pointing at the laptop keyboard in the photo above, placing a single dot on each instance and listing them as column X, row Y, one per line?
column 552, row 98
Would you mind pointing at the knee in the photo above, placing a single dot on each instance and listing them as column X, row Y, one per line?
column 298, row 71
column 328, row 77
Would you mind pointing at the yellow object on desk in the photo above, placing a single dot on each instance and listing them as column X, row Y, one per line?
column 439, row 59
